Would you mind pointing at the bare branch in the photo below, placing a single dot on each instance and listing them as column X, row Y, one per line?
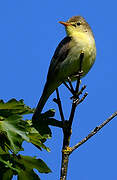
column 54, row 122
column 72, row 91
column 58, row 101
column 82, row 99
column 82, row 89
column 93, row 132
column 71, row 86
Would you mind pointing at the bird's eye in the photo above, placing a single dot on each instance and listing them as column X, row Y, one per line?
column 78, row 24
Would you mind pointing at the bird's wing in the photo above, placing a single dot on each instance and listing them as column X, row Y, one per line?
column 60, row 54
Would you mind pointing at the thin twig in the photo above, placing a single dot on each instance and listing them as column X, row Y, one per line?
column 80, row 92
column 68, row 87
column 58, row 101
column 82, row 99
column 69, row 81
column 92, row 133
column 82, row 89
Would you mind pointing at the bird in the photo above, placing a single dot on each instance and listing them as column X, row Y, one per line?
column 66, row 59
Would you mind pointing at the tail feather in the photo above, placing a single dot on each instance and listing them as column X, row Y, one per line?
column 48, row 90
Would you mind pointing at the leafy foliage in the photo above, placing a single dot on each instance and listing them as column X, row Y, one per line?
column 13, row 131
column 22, row 166
column 14, row 107
column 36, row 138
column 42, row 126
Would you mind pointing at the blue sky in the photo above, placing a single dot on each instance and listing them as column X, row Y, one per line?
column 29, row 34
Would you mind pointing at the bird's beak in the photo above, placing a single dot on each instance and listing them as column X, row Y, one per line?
column 64, row 23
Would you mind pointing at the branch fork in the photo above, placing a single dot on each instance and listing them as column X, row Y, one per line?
column 67, row 124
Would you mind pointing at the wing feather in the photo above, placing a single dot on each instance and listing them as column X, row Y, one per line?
column 60, row 55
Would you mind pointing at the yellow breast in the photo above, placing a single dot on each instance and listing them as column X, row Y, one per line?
column 84, row 42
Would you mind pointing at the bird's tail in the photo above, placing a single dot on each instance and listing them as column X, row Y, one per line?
column 48, row 90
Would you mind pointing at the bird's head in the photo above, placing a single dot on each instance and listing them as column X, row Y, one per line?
column 76, row 24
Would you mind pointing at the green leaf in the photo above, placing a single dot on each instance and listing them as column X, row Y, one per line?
column 6, row 174
column 31, row 162
column 28, row 175
column 42, row 126
column 14, row 107
column 13, row 130
column 6, row 167
column 36, row 138
column 22, row 166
